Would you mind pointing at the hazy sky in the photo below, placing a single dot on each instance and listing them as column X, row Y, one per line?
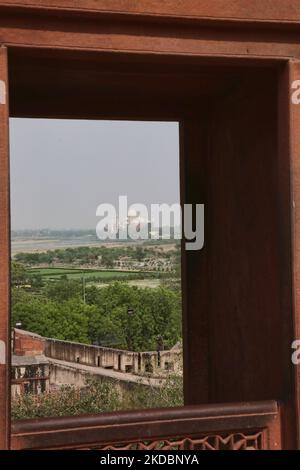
column 61, row 170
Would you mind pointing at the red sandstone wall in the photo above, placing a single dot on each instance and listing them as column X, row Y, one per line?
column 26, row 344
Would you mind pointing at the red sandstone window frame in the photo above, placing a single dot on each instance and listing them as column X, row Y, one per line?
column 5, row 253
column 289, row 120
column 5, row 328
column 5, row 238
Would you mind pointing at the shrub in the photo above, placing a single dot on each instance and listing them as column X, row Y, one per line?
column 97, row 397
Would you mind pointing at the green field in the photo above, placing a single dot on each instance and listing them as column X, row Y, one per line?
column 56, row 273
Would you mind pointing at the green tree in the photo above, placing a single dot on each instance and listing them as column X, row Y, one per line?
column 155, row 312
column 18, row 273
column 63, row 289
column 67, row 320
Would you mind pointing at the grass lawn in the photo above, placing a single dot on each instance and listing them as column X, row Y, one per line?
column 55, row 273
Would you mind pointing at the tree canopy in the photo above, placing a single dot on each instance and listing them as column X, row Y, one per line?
column 119, row 315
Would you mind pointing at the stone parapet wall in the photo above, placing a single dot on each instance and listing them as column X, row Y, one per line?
column 152, row 363
column 26, row 343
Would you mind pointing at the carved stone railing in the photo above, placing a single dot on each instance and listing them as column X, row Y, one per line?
column 241, row 426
